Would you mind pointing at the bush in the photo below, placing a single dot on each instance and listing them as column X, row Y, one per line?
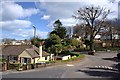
column 118, row 55
column 11, row 66
column 66, row 52
column 14, row 65
column 81, row 50
column 2, row 60
column 75, row 54
column 106, row 48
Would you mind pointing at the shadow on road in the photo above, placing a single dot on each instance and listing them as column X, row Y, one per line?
column 112, row 59
column 101, row 73
column 114, row 69
column 115, row 66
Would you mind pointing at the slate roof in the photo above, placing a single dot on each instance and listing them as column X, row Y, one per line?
column 32, row 52
column 14, row 49
column 18, row 49
column 44, row 54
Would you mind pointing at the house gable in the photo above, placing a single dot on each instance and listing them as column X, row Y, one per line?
column 25, row 54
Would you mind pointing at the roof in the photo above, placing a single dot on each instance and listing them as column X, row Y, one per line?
column 18, row 49
column 32, row 52
column 1, row 47
column 14, row 49
column 36, row 53
column 44, row 54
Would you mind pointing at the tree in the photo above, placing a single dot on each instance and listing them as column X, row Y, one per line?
column 59, row 29
column 94, row 18
column 112, row 29
column 75, row 42
column 8, row 40
column 57, row 24
column 78, row 29
column 52, row 40
column 87, row 43
column 56, row 49
column 53, row 44
column 36, row 41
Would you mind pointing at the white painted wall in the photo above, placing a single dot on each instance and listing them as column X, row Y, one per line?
column 66, row 57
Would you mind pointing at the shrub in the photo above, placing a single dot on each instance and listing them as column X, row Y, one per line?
column 2, row 60
column 66, row 52
column 14, row 65
column 106, row 48
column 81, row 50
column 11, row 66
column 75, row 54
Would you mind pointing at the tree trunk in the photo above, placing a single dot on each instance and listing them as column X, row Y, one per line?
column 111, row 37
column 91, row 43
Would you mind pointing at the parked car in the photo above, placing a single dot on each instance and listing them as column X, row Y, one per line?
column 91, row 52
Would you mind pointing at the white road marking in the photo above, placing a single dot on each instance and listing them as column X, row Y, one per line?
column 69, row 65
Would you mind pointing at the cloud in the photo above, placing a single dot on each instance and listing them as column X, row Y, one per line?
column 14, row 25
column 12, row 11
column 13, row 14
column 64, row 10
column 20, row 28
column 28, row 33
column 59, row 10
column 69, row 22
column 66, row 22
column 45, row 17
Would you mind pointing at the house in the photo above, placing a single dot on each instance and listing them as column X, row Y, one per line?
column 21, row 42
column 15, row 42
column 24, row 54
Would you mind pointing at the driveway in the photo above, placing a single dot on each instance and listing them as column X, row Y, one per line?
column 82, row 69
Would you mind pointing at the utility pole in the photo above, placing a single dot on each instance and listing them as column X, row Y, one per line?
column 34, row 41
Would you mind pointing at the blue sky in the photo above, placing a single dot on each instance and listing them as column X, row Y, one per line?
column 19, row 17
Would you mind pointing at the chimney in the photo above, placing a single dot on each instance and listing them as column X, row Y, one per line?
column 40, row 48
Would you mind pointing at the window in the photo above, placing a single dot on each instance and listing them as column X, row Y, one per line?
column 15, row 58
column 25, row 60
column 12, row 58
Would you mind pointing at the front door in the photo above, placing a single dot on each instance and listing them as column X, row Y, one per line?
column 25, row 60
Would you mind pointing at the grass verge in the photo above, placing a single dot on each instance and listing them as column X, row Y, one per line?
column 72, row 60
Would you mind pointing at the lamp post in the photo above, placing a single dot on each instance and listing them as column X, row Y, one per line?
column 34, row 41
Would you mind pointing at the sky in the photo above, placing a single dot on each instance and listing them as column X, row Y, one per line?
column 18, row 17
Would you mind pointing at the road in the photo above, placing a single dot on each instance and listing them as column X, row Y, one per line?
column 77, row 70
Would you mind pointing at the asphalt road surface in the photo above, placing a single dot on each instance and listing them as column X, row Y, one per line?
column 81, row 69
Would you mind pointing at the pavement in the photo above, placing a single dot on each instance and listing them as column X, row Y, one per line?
column 81, row 69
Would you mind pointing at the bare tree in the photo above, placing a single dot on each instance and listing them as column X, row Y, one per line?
column 94, row 18
column 112, row 29
column 81, row 30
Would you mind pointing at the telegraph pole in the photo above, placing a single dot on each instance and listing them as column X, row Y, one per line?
column 34, row 41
